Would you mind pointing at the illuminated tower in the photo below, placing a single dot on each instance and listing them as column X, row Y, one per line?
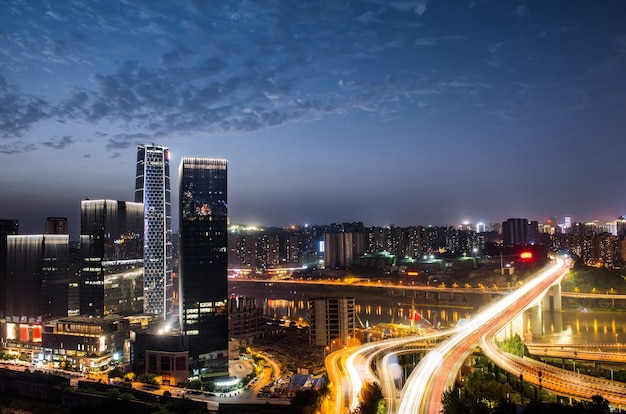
column 37, row 276
column 111, row 257
column 203, row 255
column 152, row 188
column 7, row 226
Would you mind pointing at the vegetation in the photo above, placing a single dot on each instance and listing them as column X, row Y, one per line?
column 309, row 401
column 371, row 399
column 594, row 280
column 514, row 345
column 485, row 393
column 149, row 379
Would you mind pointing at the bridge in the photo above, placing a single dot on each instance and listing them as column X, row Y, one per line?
column 439, row 368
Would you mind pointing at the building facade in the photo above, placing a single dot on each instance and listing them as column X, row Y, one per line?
column 37, row 277
column 204, row 254
column 57, row 225
column 333, row 320
column 245, row 318
column 152, row 188
column 85, row 344
column 111, row 258
column 7, row 226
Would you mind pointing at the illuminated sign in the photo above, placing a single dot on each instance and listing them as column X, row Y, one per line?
column 412, row 273
column 526, row 256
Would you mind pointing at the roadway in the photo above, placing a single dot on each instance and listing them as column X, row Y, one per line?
column 438, row 370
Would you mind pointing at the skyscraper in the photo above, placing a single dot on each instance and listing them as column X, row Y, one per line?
column 57, row 225
column 203, row 254
column 111, row 257
column 37, row 276
column 7, row 226
column 152, row 188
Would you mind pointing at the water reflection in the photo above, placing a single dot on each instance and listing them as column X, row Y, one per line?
column 592, row 327
column 373, row 307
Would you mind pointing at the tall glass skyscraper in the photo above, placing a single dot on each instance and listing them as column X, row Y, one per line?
column 152, row 188
column 204, row 255
column 111, row 257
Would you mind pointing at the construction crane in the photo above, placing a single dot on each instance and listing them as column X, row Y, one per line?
column 360, row 321
column 414, row 316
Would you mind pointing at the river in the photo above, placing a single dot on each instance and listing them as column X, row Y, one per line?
column 377, row 305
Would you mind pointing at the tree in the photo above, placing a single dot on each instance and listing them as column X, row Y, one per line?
column 371, row 399
column 149, row 379
column 305, row 402
column 116, row 372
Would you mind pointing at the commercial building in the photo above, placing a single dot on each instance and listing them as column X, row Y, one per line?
column 160, row 353
column 37, row 277
column 111, row 258
column 57, row 225
column 86, row 344
column 203, row 255
column 7, row 226
column 152, row 188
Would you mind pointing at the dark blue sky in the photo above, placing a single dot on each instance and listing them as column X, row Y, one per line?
column 387, row 112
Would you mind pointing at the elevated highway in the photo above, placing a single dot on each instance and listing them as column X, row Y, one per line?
column 438, row 370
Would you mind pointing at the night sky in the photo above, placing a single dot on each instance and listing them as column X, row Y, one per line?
column 381, row 111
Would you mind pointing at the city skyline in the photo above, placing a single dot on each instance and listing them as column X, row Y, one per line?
column 406, row 112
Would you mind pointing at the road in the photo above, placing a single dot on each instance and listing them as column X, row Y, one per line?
column 438, row 370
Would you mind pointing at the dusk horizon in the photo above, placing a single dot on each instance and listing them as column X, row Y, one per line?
column 400, row 113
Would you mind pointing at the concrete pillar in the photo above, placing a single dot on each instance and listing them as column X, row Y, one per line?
column 536, row 321
column 556, row 297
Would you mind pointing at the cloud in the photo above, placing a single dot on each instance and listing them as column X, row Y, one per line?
column 124, row 141
column 417, row 6
column 16, row 147
column 222, row 69
column 432, row 41
column 425, row 41
column 522, row 11
column 18, row 112
column 61, row 143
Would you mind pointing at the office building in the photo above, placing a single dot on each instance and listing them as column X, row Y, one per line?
column 152, row 188
column 37, row 277
column 7, row 226
column 111, row 262
column 333, row 320
column 57, row 225
column 203, row 254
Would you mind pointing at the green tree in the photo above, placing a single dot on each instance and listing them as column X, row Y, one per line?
column 149, row 379
column 371, row 399
column 116, row 372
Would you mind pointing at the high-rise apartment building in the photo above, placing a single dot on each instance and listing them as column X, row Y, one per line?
column 333, row 320
column 519, row 231
column 111, row 257
column 204, row 254
column 152, row 188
